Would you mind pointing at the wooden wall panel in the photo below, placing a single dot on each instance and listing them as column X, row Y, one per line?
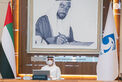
column 121, row 42
column 66, row 68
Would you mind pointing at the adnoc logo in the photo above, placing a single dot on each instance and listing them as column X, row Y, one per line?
column 109, row 41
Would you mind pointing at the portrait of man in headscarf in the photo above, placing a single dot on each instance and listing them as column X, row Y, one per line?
column 63, row 34
column 64, row 24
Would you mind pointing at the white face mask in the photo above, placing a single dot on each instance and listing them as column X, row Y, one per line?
column 49, row 62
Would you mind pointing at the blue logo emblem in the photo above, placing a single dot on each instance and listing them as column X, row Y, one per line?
column 109, row 41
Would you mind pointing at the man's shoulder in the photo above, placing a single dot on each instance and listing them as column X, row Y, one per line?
column 43, row 17
column 45, row 66
column 57, row 67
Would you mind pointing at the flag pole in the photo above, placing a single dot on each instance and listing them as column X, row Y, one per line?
column 15, row 3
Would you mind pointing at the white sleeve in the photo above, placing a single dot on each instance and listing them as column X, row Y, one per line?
column 58, row 73
column 43, row 68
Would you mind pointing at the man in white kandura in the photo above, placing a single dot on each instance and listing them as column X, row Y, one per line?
column 55, row 72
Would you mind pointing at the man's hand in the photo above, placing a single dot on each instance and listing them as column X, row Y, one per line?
column 61, row 39
column 50, row 78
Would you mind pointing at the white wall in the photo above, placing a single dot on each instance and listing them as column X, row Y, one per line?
column 3, row 9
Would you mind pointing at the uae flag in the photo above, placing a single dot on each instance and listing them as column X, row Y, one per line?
column 7, row 54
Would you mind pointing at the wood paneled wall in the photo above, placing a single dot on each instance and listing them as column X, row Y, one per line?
column 121, row 42
column 88, row 68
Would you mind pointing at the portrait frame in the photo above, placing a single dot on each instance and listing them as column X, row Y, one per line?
column 59, row 50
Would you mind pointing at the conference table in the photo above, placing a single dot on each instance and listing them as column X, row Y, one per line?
column 14, row 80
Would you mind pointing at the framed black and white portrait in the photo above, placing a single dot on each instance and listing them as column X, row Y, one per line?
column 64, row 26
